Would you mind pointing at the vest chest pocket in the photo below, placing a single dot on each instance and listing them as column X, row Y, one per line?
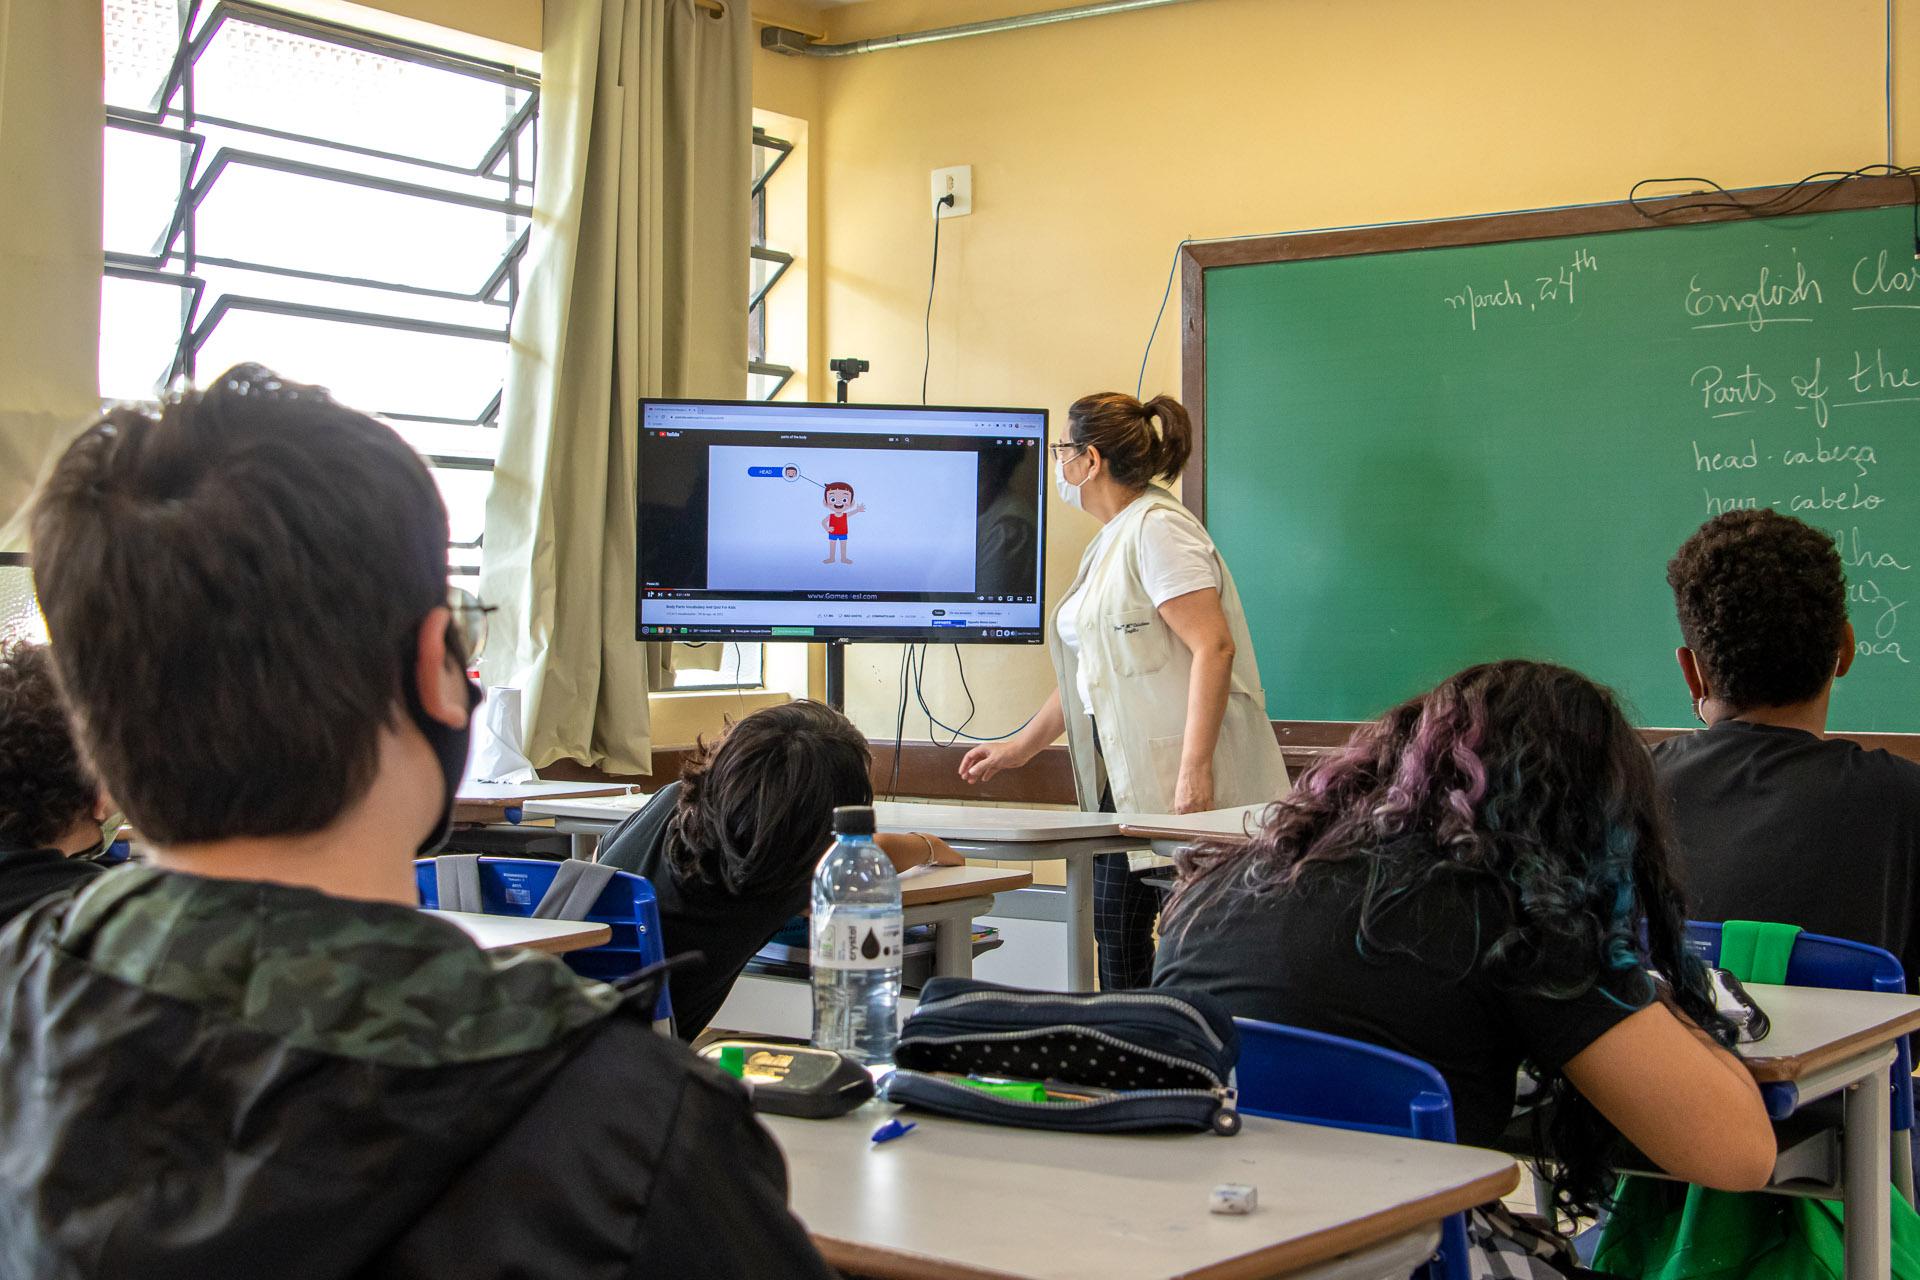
column 1138, row 641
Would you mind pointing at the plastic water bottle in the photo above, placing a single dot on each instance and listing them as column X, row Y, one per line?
column 857, row 936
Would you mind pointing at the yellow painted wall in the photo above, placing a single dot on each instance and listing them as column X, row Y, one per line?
column 1097, row 145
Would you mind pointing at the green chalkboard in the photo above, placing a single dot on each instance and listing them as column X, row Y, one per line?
column 1418, row 459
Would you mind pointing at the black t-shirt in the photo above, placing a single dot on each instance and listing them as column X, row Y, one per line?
column 1777, row 824
column 1294, row 958
column 28, row 875
column 698, row 915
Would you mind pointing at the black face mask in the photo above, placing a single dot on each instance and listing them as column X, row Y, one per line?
column 449, row 748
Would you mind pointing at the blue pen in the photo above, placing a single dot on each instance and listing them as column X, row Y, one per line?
column 893, row 1129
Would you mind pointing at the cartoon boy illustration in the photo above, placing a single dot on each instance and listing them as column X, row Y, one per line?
column 839, row 499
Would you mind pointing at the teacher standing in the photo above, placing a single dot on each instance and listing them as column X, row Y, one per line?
column 1157, row 692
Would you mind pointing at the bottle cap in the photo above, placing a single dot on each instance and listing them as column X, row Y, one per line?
column 853, row 820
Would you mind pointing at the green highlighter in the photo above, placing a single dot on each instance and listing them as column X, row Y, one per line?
column 1013, row 1090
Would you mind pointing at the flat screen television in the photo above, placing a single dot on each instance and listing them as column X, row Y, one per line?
column 762, row 520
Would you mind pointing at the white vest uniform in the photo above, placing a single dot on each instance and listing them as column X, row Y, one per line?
column 1134, row 672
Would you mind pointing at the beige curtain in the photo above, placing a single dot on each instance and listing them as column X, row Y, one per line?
column 51, row 88
column 636, row 284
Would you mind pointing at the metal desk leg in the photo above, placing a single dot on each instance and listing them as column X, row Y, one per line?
column 953, row 942
column 1081, row 971
column 1903, row 1164
column 584, row 845
column 1866, row 1125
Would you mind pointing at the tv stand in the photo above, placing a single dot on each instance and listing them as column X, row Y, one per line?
column 837, row 675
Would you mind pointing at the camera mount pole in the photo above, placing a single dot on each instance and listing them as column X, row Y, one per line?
column 845, row 371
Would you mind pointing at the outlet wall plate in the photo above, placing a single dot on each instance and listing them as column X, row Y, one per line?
column 957, row 181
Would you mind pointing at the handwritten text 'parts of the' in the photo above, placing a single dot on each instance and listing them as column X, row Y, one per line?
column 1840, row 397
column 1854, row 380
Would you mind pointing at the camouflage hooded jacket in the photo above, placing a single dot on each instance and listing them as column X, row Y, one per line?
column 206, row 1079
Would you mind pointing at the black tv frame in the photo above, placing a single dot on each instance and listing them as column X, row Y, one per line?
column 863, row 635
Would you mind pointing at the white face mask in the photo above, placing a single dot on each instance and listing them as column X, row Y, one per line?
column 1069, row 492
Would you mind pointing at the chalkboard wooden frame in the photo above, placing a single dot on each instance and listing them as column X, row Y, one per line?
column 1197, row 259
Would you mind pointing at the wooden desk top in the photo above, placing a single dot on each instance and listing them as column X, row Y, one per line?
column 489, row 801
column 971, row 1201
column 504, row 933
column 972, row 823
column 983, row 824
column 590, row 808
column 1815, row 1028
column 1223, row 826
column 944, row 884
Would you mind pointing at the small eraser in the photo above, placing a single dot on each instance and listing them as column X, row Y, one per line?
column 1233, row 1197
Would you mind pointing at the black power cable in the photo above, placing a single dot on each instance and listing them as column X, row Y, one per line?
column 1795, row 198
column 933, row 277
column 917, row 670
column 899, row 724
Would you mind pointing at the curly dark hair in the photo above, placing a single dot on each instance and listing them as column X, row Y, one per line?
column 1523, row 775
column 755, row 809
column 1762, row 600
column 45, row 788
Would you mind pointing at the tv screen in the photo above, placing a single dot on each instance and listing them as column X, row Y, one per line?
column 769, row 521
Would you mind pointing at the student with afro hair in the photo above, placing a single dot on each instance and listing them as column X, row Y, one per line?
column 1774, row 819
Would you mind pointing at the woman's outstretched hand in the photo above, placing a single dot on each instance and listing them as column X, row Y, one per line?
column 990, row 758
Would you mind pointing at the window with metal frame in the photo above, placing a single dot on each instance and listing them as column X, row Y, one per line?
column 730, row 665
column 347, row 208
column 719, row 665
column 765, row 379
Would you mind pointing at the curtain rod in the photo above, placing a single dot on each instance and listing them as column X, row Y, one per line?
column 789, row 41
column 718, row 8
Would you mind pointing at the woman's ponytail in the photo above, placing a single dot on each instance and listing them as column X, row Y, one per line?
column 1173, row 443
column 1123, row 430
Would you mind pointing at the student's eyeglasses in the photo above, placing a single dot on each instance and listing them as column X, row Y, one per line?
column 467, row 631
column 1066, row 449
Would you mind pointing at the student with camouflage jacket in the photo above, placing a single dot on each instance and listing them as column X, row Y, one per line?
column 255, row 1057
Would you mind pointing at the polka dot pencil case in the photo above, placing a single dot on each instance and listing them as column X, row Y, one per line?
column 1090, row 1062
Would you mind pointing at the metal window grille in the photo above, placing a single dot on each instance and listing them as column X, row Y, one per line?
column 741, row 666
column 348, row 208
column 765, row 379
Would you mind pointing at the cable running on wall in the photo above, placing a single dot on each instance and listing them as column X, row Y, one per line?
column 933, row 278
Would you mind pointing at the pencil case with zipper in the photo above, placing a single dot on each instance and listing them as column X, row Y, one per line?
column 1091, row 1062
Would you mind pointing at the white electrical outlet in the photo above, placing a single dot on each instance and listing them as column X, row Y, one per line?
column 957, row 182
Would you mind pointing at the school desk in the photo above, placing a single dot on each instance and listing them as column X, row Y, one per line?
column 953, row 1200
column 493, row 802
column 1825, row 1042
column 1167, row 833
column 951, row 899
column 1001, row 835
column 585, row 818
column 505, row 933
column 1039, row 835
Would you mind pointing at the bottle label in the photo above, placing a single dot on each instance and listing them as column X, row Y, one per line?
column 856, row 940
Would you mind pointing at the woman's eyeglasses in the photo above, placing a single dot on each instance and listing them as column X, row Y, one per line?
column 1066, row 449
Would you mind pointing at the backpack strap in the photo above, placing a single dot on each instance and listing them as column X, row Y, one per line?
column 456, row 879
column 1757, row 950
column 576, row 887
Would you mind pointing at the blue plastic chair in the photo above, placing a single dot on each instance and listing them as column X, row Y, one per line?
column 1838, row 965
column 1289, row 1073
column 514, row 886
